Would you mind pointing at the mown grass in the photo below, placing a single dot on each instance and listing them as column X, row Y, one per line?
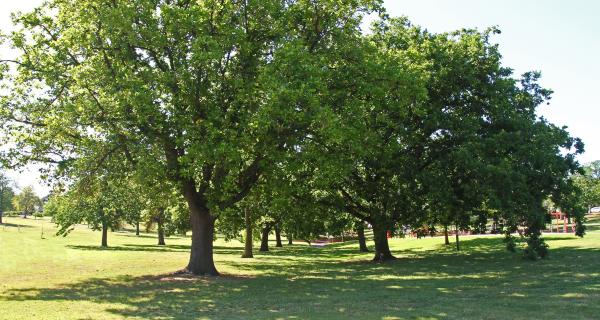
column 72, row 278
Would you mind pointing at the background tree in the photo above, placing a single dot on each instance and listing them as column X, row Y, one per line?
column 6, row 194
column 26, row 201
column 102, row 204
column 589, row 184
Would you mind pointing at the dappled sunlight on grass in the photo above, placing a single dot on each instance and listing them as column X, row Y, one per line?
column 134, row 278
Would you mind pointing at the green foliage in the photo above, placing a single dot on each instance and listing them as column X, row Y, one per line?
column 588, row 182
column 27, row 202
column 536, row 248
column 284, row 108
column 209, row 94
column 511, row 243
column 98, row 203
column 6, row 193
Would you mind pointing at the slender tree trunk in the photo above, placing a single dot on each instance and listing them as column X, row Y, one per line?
column 457, row 241
column 1, row 213
column 278, row 237
column 290, row 238
column 362, row 241
column 264, row 241
column 446, row 240
column 104, row 235
column 161, row 227
column 382, row 248
column 248, row 242
column 137, row 228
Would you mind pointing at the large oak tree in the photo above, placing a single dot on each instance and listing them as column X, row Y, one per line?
column 209, row 92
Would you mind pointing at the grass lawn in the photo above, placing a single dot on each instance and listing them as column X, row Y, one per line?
column 72, row 278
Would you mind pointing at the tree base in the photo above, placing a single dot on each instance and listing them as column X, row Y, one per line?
column 187, row 272
column 247, row 256
column 383, row 258
column 210, row 273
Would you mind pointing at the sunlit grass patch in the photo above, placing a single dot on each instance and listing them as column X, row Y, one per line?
column 53, row 277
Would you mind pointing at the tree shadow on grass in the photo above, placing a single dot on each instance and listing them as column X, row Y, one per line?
column 153, row 248
column 16, row 225
column 146, row 235
column 132, row 247
column 483, row 281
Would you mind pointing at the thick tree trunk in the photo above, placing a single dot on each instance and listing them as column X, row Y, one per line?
column 362, row 242
column 382, row 248
column 203, row 229
column 457, row 241
column 290, row 239
column 248, row 240
column 137, row 228
column 278, row 237
column 104, row 235
column 264, row 240
column 1, row 213
column 161, row 227
column 201, row 255
column 446, row 240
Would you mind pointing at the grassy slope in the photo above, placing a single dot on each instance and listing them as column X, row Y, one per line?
column 71, row 278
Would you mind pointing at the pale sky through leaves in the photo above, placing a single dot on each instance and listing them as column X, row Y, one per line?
column 559, row 38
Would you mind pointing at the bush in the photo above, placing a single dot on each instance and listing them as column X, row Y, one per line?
column 536, row 248
column 12, row 213
column 511, row 244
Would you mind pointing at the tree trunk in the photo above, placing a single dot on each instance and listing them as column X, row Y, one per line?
column 290, row 239
column 446, row 240
column 278, row 237
column 382, row 248
column 1, row 213
column 264, row 241
column 362, row 242
column 104, row 235
column 248, row 242
column 457, row 241
column 161, row 227
column 137, row 228
column 203, row 229
column 201, row 255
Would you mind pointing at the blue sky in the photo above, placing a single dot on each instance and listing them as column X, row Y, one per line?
column 559, row 38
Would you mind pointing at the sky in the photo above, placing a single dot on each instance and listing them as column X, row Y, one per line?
column 559, row 38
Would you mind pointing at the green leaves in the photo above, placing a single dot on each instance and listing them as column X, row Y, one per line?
column 281, row 101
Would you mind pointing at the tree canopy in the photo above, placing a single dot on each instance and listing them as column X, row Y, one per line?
column 27, row 201
column 288, row 104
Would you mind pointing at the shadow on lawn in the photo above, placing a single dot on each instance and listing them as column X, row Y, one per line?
column 15, row 225
column 302, row 282
column 153, row 248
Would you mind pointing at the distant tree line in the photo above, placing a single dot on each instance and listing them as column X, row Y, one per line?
column 25, row 202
